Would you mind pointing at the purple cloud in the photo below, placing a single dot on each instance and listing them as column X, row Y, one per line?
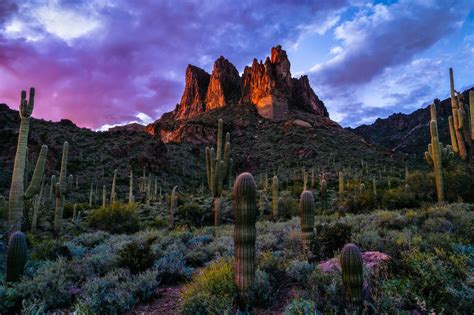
column 99, row 64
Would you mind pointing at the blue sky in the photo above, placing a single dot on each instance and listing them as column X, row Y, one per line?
column 107, row 62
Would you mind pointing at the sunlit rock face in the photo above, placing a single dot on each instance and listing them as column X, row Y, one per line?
column 193, row 101
column 266, row 85
column 224, row 85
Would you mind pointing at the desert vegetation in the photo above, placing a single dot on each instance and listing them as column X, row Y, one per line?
column 377, row 234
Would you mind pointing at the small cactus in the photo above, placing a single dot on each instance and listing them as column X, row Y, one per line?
column 341, row 185
column 16, row 256
column 245, row 234
column 352, row 273
column 60, row 192
column 112, row 191
column 307, row 220
column 324, row 195
column 275, row 197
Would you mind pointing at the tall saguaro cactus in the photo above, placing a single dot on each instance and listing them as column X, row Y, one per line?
column 307, row 220
column 60, row 192
column 218, row 168
column 438, row 157
column 324, row 195
column 17, row 188
column 245, row 234
column 352, row 273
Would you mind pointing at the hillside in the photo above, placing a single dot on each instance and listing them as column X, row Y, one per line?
column 408, row 133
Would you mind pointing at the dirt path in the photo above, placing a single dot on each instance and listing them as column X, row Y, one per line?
column 166, row 302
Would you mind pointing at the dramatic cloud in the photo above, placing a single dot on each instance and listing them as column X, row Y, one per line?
column 101, row 63
column 104, row 62
column 375, row 69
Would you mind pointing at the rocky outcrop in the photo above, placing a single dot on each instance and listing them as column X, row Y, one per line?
column 224, row 85
column 193, row 101
column 268, row 86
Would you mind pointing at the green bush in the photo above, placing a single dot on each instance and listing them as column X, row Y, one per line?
column 397, row 198
column 137, row 255
column 212, row 291
column 361, row 202
column 330, row 238
column 301, row 307
column 117, row 218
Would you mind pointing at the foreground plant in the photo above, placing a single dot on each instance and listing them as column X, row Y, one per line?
column 17, row 193
column 245, row 234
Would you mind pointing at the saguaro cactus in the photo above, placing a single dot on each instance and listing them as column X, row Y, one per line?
column 324, row 195
column 438, row 157
column 245, row 213
column 275, row 197
column 307, row 220
column 173, row 205
column 112, row 191
column 131, row 198
column 36, row 207
column 16, row 256
column 352, row 273
column 218, row 165
column 17, row 188
column 60, row 192
column 341, row 185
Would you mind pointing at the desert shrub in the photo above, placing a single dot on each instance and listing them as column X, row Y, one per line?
column 422, row 185
column 49, row 249
column 301, row 307
column 437, row 225
column 288, row 207
column 117, row 218
column 261, row 291
column 390, row 220
column 137, row 255
column 330, row 238
column 297, row 271
column 52, row 284
column 159, row 223
column 212, row 291
column 172, row 267
column 90, row 240
column 397, row 198
column 361, row 202
column 193, row 213
column 326, row 288
column 3, row 208
column 460, row 184
column 436, row 277
column 273, row 263
column 117, row 291
column 9, row 300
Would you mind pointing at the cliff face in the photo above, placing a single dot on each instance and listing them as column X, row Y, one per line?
column 193, row 101
column 224, row 85
column 268, row 86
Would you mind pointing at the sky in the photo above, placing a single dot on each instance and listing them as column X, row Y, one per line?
column 102, row 63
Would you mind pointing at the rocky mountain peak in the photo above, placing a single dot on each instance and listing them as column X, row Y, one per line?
column 224, row 85
column 266, row 85
column 193, row 100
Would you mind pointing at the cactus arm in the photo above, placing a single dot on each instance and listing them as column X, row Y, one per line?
column 452, row 134
column 61, row 188
column 220, row 125
column 454, row 108
column 37, row 178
